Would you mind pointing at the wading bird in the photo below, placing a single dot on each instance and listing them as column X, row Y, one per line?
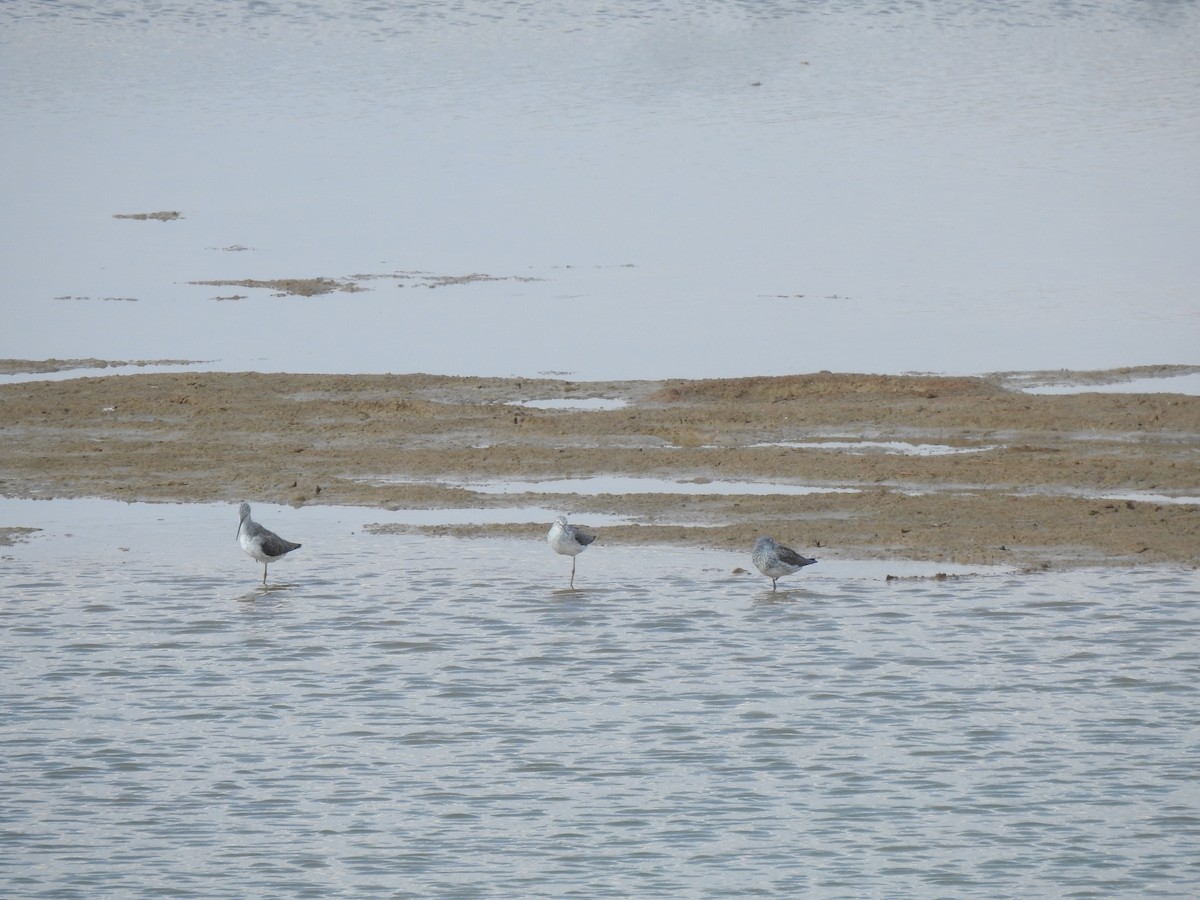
column 775, row 560
column 569, row 540
column 261, row 543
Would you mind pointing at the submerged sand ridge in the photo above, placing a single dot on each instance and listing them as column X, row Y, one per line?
column 942, row 468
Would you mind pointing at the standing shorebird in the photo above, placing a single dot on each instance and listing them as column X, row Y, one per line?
column 569, row 540
column 775, row 560
column 261, row 543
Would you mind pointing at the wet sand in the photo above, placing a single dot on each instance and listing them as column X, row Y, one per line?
column 989, row 475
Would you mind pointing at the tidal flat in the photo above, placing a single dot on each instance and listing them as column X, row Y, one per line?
column 956, row 469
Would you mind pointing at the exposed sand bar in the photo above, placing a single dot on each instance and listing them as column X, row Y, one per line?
column 939, row 468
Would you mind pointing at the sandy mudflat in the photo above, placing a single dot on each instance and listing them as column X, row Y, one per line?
column 940, row 468
column 38, row 366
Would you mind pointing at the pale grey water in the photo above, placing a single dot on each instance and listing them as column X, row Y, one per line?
column 696, row 189
column 408, row 716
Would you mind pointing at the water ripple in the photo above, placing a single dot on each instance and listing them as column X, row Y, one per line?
column 458, row 723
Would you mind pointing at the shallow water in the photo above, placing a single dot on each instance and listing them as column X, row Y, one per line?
column 1179, row 384
column 657, row 190
column 409, row 716
column 905, row 448
column 631, row 484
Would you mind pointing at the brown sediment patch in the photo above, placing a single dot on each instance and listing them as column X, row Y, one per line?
column 790, row 388
column 301, row 287
column 429, row 280
column 436, row 281
column 40, row 366
column 10, row 536
column 168, row 215
column 1061, row 479
column 1054, row 377
column 312, row 287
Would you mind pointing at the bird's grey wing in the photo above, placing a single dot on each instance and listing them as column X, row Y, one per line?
column 274, row 545
column 583, row 536
column 792, row 558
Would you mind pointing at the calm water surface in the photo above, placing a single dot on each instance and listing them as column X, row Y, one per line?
column 408, row 716
column 687, row 189
column 653, row 190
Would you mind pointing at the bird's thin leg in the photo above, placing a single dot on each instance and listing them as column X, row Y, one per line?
column 264, row 573
column 572, row 571
column 773, row 580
